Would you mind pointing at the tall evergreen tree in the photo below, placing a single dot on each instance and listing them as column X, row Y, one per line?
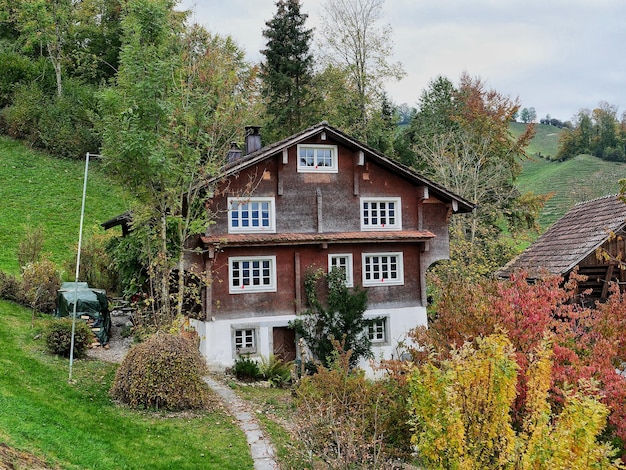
column 287, row 71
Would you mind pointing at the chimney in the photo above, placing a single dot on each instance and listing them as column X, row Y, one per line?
column 253, row 139
column 234, row 153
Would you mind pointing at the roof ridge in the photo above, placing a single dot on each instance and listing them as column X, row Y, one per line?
column 596, row 199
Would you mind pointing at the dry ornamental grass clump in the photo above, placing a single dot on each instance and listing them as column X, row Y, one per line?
column 164, row 372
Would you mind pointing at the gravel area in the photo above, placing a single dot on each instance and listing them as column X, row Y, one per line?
column 117, row 348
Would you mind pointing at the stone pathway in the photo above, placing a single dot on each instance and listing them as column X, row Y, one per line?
column 260, row 448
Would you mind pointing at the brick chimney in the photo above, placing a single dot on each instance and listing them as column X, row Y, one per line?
column 253, row 139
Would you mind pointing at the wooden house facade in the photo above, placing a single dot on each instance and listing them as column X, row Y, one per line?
column 316, row 200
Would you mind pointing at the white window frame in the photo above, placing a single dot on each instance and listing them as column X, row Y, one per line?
column 348, row 266
column 377, row 330
column 242, row 288
column 247, row 337
column 241, row 201
column 366, row 221
column 315, row 168
column 372, row 276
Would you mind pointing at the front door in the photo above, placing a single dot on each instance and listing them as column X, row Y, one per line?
column 284, row 343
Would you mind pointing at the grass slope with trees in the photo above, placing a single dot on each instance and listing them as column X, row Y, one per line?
column 581, row 178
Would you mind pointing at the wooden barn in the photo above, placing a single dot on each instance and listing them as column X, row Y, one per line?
column 317, row 199
column 581, row 238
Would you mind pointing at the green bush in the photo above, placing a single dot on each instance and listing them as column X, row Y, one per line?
column 276, row 371
column 58, row 337
column 66, row 126
column 247, row 369
column 21, row 119
column 164, row 372
column 31, row 246
column 40, row 283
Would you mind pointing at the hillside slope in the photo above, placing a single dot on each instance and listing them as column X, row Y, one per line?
column 37, row 190
column 580, row 179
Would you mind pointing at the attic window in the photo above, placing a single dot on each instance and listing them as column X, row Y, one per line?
column 317, row 158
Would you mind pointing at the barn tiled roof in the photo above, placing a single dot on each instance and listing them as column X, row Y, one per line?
column 259, row 239
column 577, row 234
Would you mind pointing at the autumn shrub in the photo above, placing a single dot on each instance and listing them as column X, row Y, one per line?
column 348, row 421
column 11, row 288
column 164, row 372
column 40, row 282
column 58, row 337
column 461, row 408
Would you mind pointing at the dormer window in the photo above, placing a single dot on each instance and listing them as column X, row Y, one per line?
column 252, row 214
column 317, row 158
column 382, row 213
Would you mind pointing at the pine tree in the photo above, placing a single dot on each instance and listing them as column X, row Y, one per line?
column 287, row 71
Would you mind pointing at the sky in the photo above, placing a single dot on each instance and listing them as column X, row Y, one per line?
column 557, row 56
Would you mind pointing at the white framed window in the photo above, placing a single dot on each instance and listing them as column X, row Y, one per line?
column 382, row 269
column 381, row 213
column 252, row 274
column 245, row 340
column 317, row 158
column 377, row 330
column 252, row 214
column 343, row 262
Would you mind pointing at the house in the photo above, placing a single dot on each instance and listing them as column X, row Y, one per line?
column 585, row 231
column 317, row 199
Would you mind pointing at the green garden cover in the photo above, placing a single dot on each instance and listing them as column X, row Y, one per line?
column 92, row 305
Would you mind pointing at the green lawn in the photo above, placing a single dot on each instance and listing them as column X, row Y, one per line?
column 37, row 190
column 77, row 426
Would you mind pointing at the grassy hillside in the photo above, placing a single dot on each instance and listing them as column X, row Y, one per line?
column 545, row 142
column 580, row 179
column 38, row 190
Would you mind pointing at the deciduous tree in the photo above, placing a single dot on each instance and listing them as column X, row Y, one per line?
column 353, row 38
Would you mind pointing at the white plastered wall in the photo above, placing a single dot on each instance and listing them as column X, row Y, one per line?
column 216, row 337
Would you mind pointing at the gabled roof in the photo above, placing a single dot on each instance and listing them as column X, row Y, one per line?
column 463, row 205
column 572, row 238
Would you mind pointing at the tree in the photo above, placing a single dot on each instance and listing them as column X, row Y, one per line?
column 178, row 97
column 528, row 115
column 340, row 320
column 353, row 39
column 46, row 24
column 286, row 72
column 461, row 139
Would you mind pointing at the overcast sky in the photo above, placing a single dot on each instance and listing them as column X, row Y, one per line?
column 557, row 56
